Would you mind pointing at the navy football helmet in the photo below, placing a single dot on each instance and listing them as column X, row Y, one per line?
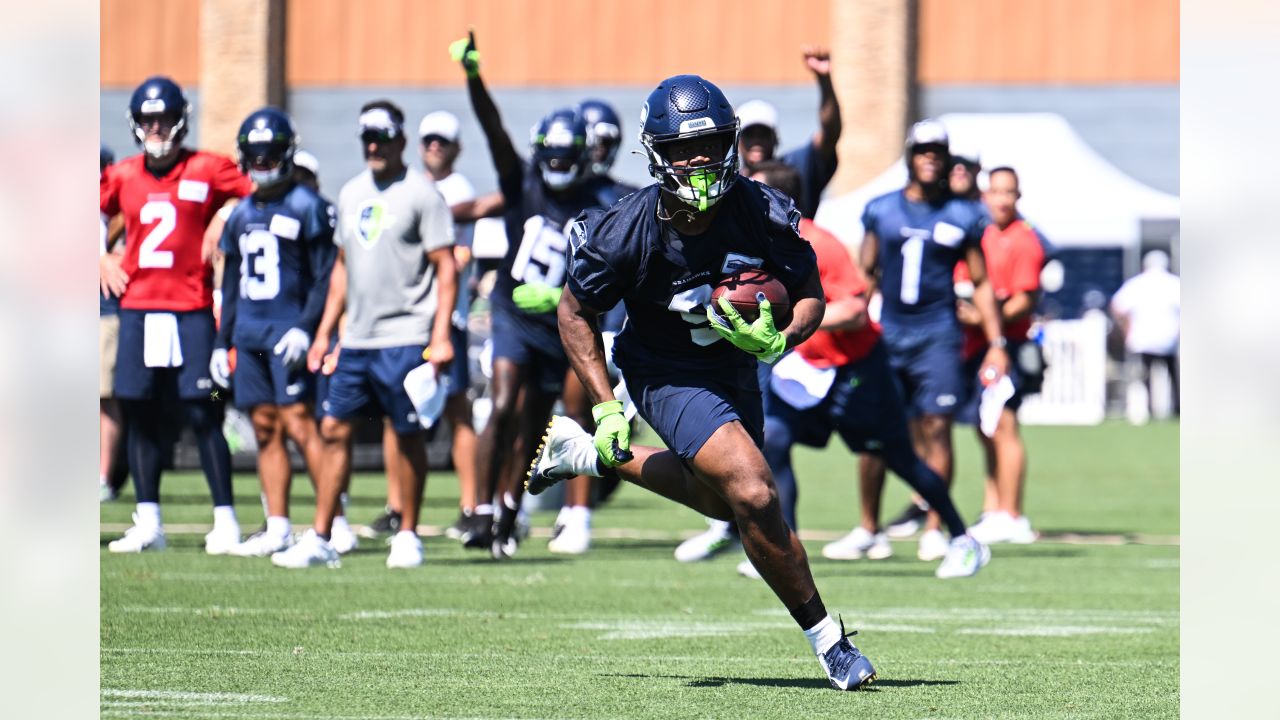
column 683, row 107
column 267, row 142
column 604, row 134
column 159, row 96
column 559, row 144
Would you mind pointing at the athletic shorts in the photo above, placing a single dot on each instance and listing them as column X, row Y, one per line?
column 135, row 381
column 968, row 411
column 520, row 340
column 864, row 407
column 108, row 346
column 261, row 378
column 459, row 373
column 926, row 362
column 686, row 409
column 370, row 383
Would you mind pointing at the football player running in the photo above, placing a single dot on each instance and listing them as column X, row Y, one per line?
column 691, row 366
column 168, row 195
column 279, row 252
column 914, row 238
column 529, row 364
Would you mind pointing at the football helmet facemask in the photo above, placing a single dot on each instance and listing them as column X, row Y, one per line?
column 158, row 96
column 267, row 142
column 559, row 145
column 684, row 107
column 604, row 134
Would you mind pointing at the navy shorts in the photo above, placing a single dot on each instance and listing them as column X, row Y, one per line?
column 368, row 383
column 968, row 412
column 262, row 379
column 459, row 373
column 526, row 343
column 864, row 407
column 135, row 381
column 686, row 409
column 926, row 361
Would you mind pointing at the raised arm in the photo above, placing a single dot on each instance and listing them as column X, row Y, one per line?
column 818, row 60
column 505, row 159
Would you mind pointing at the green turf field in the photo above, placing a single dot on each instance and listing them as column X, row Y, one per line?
column 1087, row 628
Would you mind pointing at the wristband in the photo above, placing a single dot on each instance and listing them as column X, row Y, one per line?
column 606, row 408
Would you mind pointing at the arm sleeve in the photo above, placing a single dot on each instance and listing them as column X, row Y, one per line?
column 435, row 221
column 230, row 289
column 595, row 275
column 321, row 252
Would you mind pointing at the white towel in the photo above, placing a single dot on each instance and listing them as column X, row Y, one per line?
column 992, row 402
column 160, row 344
column 800, row 384
column 427, row 395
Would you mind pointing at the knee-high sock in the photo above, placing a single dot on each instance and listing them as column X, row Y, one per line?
column 777, row 452
column 143, row 420
column 205, row 418
column 903, row 461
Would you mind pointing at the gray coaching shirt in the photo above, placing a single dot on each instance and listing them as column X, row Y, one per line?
column 386, row 233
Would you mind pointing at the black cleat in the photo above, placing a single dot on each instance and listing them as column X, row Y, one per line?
column 909, row 522
column 386, row 524
column 478, row 533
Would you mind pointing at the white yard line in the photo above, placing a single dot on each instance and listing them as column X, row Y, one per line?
column 203, row 698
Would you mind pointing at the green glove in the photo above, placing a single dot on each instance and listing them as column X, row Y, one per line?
column 536, row 298
column 760, row 338
column 613, row 433
column 464, row 51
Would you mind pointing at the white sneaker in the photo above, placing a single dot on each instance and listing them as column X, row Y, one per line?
column 262, row 544
column 342, row 539
column 106, row 494
column 1003, row 528
column 406, row 551
column 704, row 546
column 933, row 546
column 747, row 570
column 221, row 541
column 309, row 551
column 139, row 539
column 573, row 539
column 566, row 450
column 859, row 544
column 965, row 557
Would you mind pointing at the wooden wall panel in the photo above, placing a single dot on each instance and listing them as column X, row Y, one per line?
column 537, row 42
column 1048, row 41
column 141, row 38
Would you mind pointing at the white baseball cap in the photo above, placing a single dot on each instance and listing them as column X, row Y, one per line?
column 758, row 112
column 440, row 122
column 927, row 132
column 307, row 161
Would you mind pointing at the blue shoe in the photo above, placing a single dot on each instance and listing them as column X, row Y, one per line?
column 847, row 668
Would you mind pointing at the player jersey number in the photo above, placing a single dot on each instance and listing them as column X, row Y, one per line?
column 541, row 255
column 259, row 265
column 691, row 305
column 149, row 254
column 912, row 258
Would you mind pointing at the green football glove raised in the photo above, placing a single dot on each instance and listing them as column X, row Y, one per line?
column 536, row 298
column 613, row 433
column 464, row 51
column 760, row 338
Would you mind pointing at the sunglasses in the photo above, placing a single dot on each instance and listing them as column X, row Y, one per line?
column 371, row 136
column 428, row 139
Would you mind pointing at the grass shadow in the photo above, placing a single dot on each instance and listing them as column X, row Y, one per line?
column 717, row 681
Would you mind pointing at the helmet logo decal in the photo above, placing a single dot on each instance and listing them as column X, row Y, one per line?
column 696, row 124
column 644, row 115
column 152, row 106
column 261, row 135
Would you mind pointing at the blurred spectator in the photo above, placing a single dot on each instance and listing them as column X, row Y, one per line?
column 306, row 170
column 816, row 161
column 1014, row 256
column 112, row 471
column 1147, row 309
column 965, row 166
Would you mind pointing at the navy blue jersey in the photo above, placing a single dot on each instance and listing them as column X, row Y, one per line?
column 815, row 172
column 919, row 246
column 279, row 257
column 537, row 226
column 665, row 279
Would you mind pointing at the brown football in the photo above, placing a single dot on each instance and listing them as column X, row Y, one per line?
column 741, row 289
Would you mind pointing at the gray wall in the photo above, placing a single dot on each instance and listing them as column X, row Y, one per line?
column 1133, row 127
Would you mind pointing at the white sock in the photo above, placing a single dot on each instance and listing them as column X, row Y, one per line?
column 224, row 516
column 342, row 500
column 404, row 533
column 148, row 515
column 484, row 509
column 339, row 524
column 102, row 479
column 278, row 526
column 823, row 636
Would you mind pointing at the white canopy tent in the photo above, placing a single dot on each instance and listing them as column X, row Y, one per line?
column 1072, row 194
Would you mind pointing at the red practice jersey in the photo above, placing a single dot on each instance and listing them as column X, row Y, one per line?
column 1014, row 258
column 840, row 279
column 165, row 219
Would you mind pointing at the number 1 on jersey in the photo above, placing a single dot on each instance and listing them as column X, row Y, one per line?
column 912, row 258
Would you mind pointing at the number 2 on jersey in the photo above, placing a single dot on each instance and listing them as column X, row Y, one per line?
column 149, row 254
column 259, row 265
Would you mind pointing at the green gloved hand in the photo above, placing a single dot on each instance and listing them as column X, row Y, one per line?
column 464, row 51
column 613, row 433
column 536, row 298
column 760, row 338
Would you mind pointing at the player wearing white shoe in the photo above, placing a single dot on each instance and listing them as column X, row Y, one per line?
column 396, row 280
column 167, row 196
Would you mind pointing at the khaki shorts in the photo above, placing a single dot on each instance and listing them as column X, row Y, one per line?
column 108, row 341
